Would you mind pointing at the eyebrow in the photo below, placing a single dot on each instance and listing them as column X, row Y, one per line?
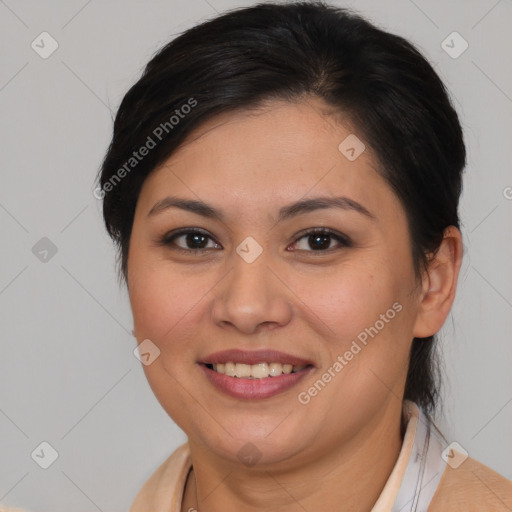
column 286, row 212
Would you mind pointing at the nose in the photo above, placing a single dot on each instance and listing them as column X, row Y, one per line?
column 251, row 298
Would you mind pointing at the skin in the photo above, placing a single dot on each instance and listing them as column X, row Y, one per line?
column 312, row 304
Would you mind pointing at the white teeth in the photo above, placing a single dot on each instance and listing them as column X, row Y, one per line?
column 255, row 371
column 259, row 371
column 229, row 369
column 287, row 368
column 243, row 370
column 276, row 369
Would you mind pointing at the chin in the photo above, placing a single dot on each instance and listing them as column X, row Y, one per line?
column 256, row 441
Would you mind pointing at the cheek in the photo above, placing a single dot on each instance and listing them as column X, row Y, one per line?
column 369, row 327
column 160, row 304
column 159, row 298
column 163, row 308
column 348, row 300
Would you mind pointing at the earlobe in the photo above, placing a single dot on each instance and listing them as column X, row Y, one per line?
column 439, row 285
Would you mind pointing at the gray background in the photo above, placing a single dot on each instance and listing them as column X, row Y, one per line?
column 68, row 375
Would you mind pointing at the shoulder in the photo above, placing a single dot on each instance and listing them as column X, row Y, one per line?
column 165, row 486
column 472, row 486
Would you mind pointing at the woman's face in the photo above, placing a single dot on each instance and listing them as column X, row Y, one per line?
column 343, row 304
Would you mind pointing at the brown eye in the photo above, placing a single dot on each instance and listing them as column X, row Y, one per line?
column 190, row 240
column 320, row 240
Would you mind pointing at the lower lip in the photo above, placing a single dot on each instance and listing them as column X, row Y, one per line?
column 254, row 388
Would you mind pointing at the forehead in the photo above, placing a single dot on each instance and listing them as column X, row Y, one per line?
column 274, row 154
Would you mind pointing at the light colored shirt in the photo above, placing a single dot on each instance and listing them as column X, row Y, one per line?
column 429, row 476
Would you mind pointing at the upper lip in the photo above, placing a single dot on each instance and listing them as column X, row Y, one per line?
column 254, row 357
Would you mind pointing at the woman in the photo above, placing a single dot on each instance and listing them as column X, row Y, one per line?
column 282, row 185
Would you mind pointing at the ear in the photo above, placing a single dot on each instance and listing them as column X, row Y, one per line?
column 439, row 284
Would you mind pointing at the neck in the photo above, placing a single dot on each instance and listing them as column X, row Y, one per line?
column 353, row 474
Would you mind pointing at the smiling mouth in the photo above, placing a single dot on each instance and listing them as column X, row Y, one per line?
column 255, row 371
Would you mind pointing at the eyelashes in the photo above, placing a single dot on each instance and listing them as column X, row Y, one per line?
column 318, row 236
column 317, row 240
column 193, row 235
